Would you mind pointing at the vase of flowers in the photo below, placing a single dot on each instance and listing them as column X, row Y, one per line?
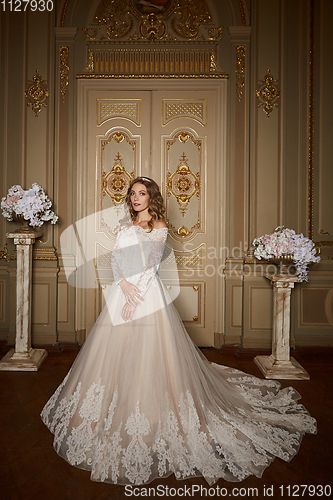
column 32, row 207
column 285, row 247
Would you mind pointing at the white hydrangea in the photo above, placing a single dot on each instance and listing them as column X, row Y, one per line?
column 33, row 204
column 284, row 241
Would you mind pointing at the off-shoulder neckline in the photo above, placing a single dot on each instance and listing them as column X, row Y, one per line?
column 154, row 228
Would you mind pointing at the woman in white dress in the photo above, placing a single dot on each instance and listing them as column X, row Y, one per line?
column 141, row 401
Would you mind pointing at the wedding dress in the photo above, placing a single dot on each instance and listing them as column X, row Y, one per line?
column 142, row 402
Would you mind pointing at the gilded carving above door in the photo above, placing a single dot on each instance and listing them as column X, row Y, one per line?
column 153, row 20
column 158, row 38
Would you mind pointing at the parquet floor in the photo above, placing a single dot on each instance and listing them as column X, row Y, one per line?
column 31, row 469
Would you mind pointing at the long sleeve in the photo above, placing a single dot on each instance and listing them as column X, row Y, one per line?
column 137, row 254
column 154, row 249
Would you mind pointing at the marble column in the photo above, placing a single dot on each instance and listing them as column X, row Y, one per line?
column 23, row 357
column 279, row 365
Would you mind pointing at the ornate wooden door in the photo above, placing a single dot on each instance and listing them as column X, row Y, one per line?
column 170, row 135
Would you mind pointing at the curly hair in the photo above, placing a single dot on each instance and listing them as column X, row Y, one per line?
column 156, row 207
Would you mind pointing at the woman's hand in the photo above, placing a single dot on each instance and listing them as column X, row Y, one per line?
column 127, row 312
column 131, row 292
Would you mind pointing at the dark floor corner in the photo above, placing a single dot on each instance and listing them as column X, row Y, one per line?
column 31, row 469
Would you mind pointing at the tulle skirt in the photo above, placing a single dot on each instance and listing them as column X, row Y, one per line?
column 142, row 402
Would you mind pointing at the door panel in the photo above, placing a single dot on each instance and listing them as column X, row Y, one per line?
column 184, row 126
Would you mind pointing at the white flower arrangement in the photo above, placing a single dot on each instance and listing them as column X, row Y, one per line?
column 284, row 241
column 33, row 204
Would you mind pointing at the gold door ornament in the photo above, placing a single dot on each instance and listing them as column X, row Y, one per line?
column 116, row 182
column 268, row 93
column 183, row 184
column 37, row 93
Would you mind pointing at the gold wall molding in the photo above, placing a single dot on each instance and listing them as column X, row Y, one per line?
column 268, row 93
column 63, row 13
column 240, row 70
column 36, row 93
column 311, row 124
column 4, row 253
column 150, row 76
column 64, row 70
column 141, row 62
column 242, row 12
column 48, row 254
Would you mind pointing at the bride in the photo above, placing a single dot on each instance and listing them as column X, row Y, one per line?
column 141, row 401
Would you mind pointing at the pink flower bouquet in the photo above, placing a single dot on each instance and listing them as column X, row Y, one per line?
column 284, row 241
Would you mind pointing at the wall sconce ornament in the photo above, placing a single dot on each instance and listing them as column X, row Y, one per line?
column 268, row 93
column 37, row 93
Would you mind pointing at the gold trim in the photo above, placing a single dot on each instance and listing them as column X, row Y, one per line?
column 150, row 76
column 242, row 12
column 64, row 70
column 321, row 231
column 4, row 253
column 311, row 124
column 63, row 14
column 240, row 70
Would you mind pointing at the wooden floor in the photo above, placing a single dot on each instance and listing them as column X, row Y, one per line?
column 31, row 469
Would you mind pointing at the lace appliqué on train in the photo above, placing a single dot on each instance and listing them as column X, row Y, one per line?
column 192, row 438
column 137, row 457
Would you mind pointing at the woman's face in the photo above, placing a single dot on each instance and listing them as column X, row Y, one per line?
column 139, row 197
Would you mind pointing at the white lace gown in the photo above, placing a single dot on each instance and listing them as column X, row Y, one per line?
column 142, row 402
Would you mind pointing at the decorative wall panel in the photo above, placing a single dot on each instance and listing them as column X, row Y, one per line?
column 2, row 300
column 63, row 303
column 41, row 304
column 316, row 306
column 118, row 151
column 190, row 303
column 130, row 109
column 195, row 259
column 185, row 164
column 178, row 108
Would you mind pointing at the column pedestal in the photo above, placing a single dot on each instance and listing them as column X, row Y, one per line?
column 279, row 365
column 23, row 357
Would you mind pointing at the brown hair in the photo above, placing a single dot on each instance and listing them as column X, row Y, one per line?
column 156, row 205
